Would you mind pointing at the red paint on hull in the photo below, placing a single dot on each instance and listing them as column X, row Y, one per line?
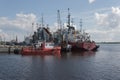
column 45, row 51
column 88, row 46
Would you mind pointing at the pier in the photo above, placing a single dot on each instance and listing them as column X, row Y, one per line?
column 9, row 49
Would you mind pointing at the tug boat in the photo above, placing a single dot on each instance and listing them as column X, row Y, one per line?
column 42, row 48
column 42, row 42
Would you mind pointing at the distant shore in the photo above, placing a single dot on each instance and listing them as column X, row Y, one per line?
column 108, row 42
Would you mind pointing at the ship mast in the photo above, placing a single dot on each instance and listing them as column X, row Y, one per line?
column 68, row 18
column 43, row 31
column 72, row 22
column 59, row 20
column 42, row 21
column 70, row 27
column 81, row 25
column 32, row 29
column 59, row 26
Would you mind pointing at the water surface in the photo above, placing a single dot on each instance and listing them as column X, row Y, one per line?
column 101, row 65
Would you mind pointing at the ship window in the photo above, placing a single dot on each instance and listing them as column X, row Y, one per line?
column 51, row 44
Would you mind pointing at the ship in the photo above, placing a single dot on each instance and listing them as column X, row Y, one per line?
column 78, row 40
column 63, row 39
column 42, row 48
column 41, row 43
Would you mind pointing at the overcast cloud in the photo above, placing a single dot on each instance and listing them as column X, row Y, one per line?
column 107, row 26
column 91, row 1
column 21, row 25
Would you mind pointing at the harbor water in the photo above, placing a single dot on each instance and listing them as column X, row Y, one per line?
column 101, row 65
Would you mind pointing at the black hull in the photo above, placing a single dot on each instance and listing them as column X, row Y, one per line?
column 65, row 50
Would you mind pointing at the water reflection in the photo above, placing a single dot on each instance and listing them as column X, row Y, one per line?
column 84, row 53
column 87, row 65
column 78, row 54
column 43, row 56
column 67, row 54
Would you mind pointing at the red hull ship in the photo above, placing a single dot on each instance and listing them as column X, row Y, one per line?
column 71, row 38
column 79, row 40
column 42, row 49
column 84, row 46
column 42, row 43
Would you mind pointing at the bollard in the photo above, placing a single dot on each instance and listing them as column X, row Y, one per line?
column 9, row 49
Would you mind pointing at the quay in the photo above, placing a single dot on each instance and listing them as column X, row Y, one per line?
column 9, row 49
